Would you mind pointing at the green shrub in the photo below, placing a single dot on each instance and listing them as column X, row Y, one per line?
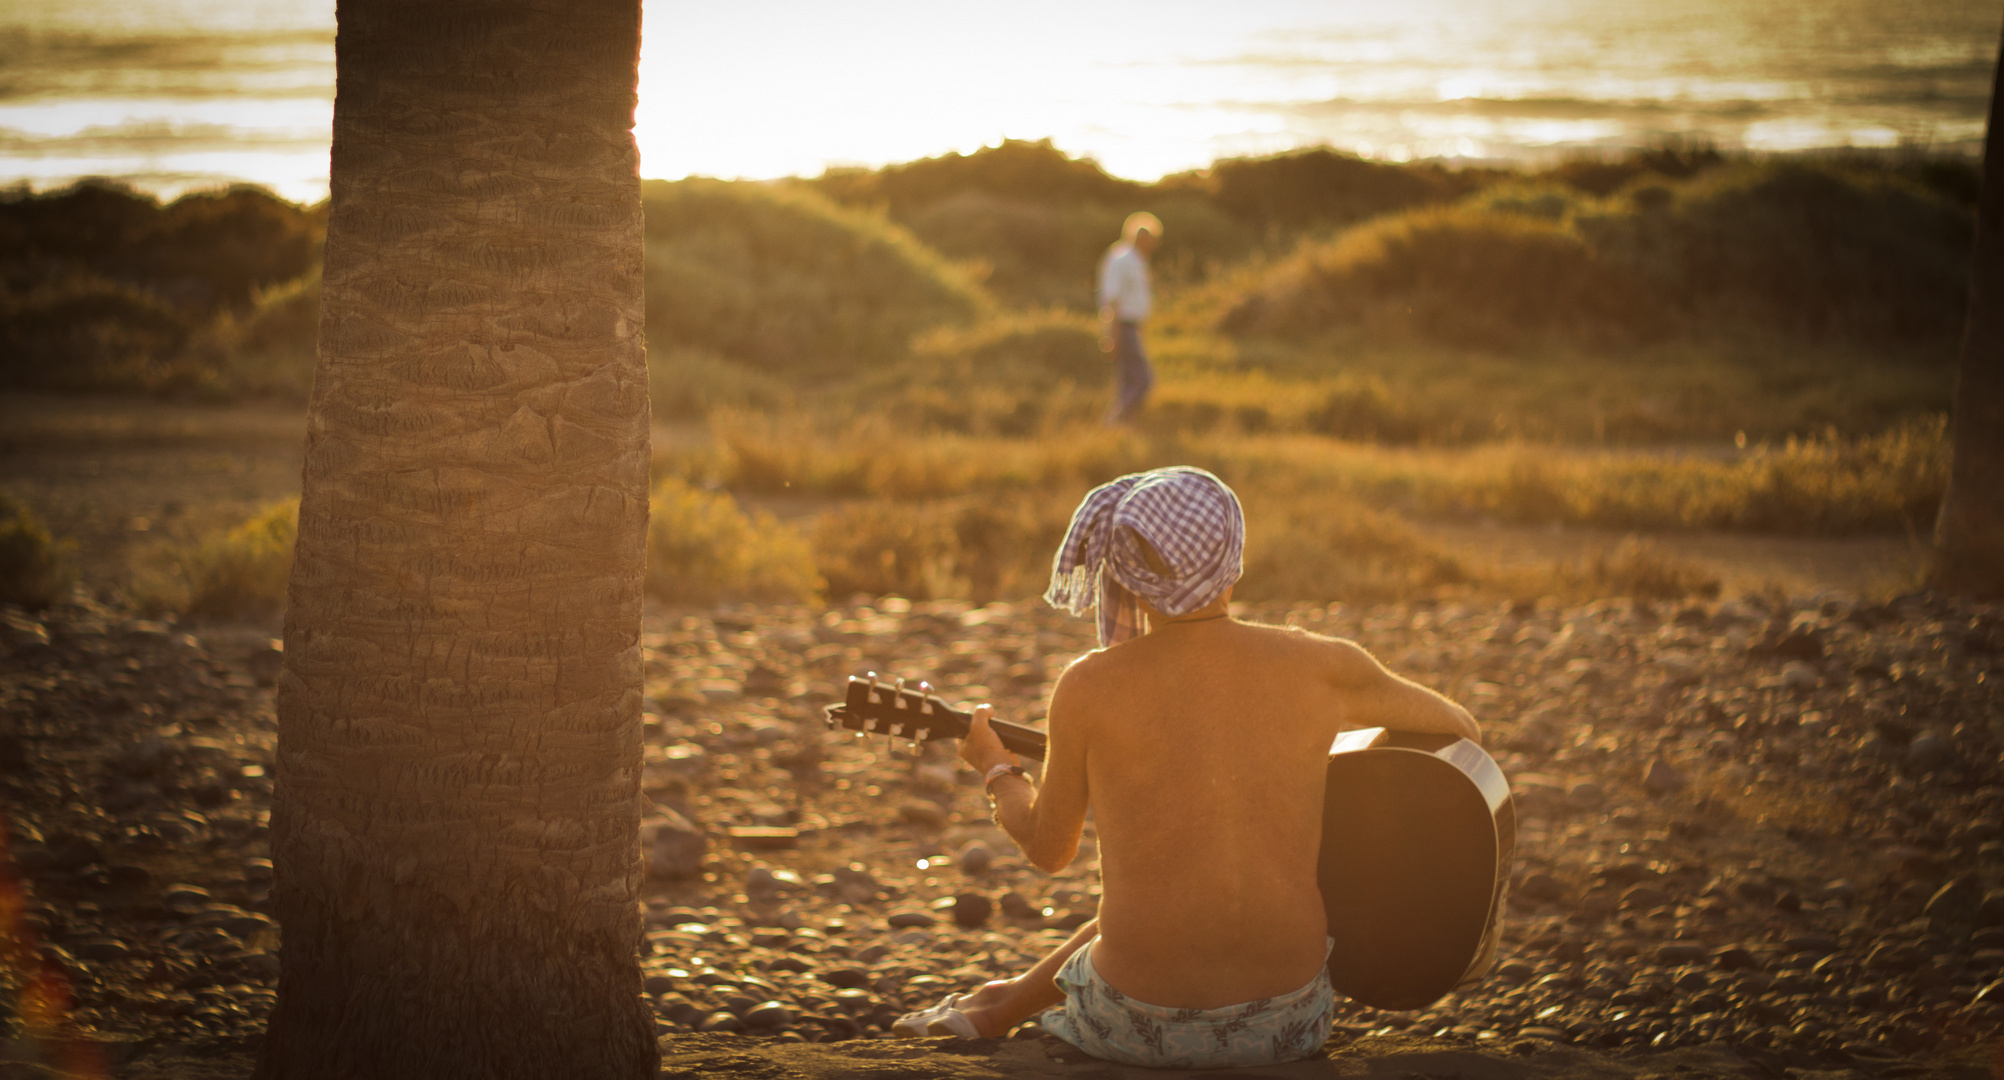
column 994, row 547
column 203, row 253
column 1017, row 169
column 87, row 333
column 1805, row 249
column 1039, row 220
column 1832, row 485
column 1802, row 248
column 1465, row 275
column 34, row 567
column 272, row 351
column 1036, row 254
column 1301, row 189
column 1364, row 409
column 880, row 547
column 1025, row 347
column 869, row 456
column 1014, row 375
column 1635, row 568
column 104, row 289
column 690, row 383
column 779, row 279
column 702, row 548
column 1320, row 547
column 238, row 573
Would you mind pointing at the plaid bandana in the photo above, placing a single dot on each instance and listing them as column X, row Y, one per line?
column 1187, row 515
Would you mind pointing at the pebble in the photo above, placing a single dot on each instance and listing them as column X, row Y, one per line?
column 768, row 1016
column 846, row 978
column 1957, row 903
column 1735, row 958
column 968, row 909
column 1796, row 675
column 1016, row 907
column 1680, row 952
column 899, row 920
column 974, row 857
column 676, row 847
column 1927, row 753
column 1542, row 887
column 1586, row 794
column 922, row 812
column 1663, row 778
column 721, row 1020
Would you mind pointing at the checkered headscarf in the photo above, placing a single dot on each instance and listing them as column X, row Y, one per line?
column 1187, row 515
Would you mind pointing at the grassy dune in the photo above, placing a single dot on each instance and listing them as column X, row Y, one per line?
column 1357, row 346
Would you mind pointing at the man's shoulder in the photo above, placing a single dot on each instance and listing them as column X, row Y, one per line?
column 1295, row 637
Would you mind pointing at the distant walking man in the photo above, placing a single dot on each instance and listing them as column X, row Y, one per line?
column 1123, row 303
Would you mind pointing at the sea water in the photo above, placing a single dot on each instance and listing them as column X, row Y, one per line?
column 170, row 95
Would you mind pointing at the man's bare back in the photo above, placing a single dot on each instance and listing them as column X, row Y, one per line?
column 1205, row 749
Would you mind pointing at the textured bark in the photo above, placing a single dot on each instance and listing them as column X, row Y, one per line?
column 455, row 830
column 1969, row 534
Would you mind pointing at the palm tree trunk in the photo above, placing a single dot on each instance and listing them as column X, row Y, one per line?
column 1969, row 533
column 456, row 815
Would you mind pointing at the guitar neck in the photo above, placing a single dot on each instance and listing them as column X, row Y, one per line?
column 890, row 709
column 1027, row 741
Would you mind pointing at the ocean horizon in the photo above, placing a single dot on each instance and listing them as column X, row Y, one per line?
column 176, row 95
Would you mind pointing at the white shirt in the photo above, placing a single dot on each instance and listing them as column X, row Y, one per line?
column 1123, row 282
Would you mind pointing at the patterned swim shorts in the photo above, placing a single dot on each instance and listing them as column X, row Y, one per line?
column 1108, row 1024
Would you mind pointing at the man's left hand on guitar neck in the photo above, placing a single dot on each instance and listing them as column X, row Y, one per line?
column 982, row 749
column 1049, row 838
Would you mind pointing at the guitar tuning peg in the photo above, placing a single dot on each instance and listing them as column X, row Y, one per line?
column 900, row 688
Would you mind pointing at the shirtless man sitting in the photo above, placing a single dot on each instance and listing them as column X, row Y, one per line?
column 1200, row 747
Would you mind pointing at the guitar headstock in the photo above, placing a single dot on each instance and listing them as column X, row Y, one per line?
column 889, row 708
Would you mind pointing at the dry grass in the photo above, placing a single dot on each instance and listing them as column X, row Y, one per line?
column 1830, row 485
column 34, row 567
column 702, row 548
column 1472, row 275
column 238, row 573
column 871, row 457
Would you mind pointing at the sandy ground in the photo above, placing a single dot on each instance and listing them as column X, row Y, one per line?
column 1398, row 1057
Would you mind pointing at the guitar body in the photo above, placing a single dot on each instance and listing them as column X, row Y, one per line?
column 1418, row 838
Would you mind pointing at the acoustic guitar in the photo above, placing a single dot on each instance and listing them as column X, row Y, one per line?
column 1418, row 839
